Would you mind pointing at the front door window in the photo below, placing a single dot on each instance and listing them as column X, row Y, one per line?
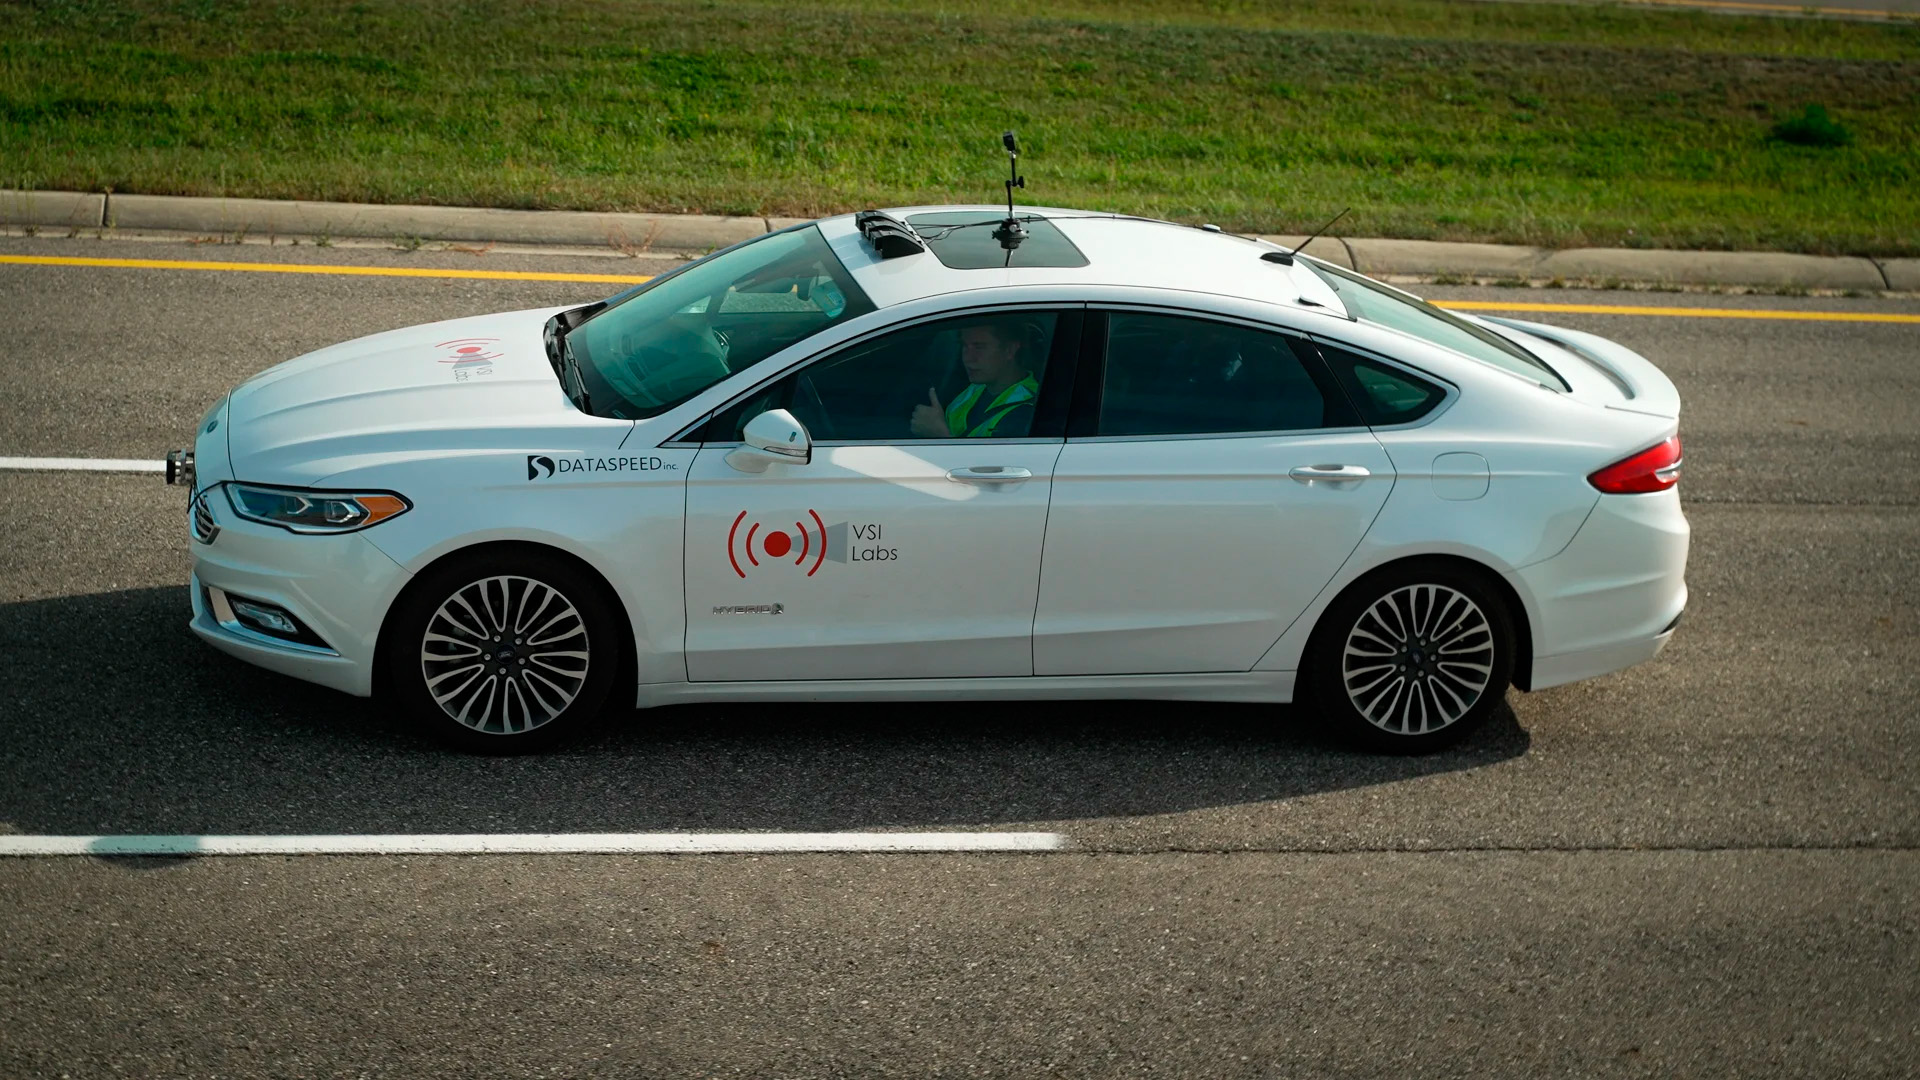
column 976, row 376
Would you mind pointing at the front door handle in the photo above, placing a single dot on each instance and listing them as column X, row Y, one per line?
column 989, row 474
column 1307, row 474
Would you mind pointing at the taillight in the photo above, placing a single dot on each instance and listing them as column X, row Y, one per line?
column 1654, row 469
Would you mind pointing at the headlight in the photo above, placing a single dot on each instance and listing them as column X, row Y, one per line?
column 313, row 511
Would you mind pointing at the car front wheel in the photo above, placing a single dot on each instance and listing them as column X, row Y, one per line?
column 1412, row 659
column 503, row 654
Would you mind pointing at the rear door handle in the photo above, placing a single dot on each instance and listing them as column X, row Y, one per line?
column 1307, row 474
column 989, row 474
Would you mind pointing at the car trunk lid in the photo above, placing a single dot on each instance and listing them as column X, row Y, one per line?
column 1600, row 372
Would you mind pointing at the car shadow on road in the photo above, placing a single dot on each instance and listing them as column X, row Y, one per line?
column 120, row 721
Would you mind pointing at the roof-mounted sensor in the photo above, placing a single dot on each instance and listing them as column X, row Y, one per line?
column 890, row 236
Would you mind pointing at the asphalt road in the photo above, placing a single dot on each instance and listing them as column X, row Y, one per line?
column 1706, row 865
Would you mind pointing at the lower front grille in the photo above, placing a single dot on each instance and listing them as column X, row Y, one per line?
column 200, row 519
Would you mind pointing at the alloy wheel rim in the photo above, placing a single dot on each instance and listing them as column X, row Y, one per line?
column 505, row 655
column 1418, row 659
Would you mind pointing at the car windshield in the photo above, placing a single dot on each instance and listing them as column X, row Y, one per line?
column 1370, row 301
column 657, row 346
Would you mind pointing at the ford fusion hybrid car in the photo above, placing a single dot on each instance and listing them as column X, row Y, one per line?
column 910, row 455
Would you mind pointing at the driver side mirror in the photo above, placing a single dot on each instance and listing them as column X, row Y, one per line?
column 773, row 437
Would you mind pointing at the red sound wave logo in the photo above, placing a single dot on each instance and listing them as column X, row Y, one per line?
column 777, row 543
column 473, row 350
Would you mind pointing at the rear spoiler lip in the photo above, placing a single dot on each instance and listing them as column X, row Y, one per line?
column 1646, row 388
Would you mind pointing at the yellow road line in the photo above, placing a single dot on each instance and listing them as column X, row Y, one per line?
column 296, row 268
column 635, row 279
column 1685, row 312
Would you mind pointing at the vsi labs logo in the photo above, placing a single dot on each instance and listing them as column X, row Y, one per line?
column 805, row 544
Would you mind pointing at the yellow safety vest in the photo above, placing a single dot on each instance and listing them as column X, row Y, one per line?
column 1003, row 403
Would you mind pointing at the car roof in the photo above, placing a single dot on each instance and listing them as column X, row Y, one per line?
column 1121, row 251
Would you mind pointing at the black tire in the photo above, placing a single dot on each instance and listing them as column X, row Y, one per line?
column 541, row 691
column 1411, row 693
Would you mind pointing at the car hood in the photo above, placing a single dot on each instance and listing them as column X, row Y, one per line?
column 476, row 385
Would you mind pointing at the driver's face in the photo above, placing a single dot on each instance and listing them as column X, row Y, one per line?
column 987, row 358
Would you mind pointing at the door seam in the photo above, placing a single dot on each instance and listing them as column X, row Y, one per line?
column 1040, row 568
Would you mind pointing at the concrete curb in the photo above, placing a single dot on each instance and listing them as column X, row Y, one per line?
column 1902, row 274
column 1766, row 269
column 695, row 233
column 1715, row 268
column 639, row 232
column 1439, row 256
column 72, row 209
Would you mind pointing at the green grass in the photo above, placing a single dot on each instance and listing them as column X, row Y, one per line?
column 1549, row 124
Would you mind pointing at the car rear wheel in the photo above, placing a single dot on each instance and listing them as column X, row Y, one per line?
column 1412, row 659
column 504, row 654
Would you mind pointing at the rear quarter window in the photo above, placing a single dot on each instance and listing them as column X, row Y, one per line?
column 1384, row 395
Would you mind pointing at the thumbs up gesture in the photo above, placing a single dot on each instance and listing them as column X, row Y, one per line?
column 930, row 420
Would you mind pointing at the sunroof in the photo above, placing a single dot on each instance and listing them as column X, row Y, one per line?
column 963, row 240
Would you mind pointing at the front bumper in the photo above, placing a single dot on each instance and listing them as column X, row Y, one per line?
column 1613, row 597
column 340, row 587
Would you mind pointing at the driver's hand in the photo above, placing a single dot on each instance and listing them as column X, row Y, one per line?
column 930, row 421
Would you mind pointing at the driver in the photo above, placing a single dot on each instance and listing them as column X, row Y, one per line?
column 1001, row 387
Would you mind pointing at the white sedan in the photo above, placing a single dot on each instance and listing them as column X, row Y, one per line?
column 919, row 455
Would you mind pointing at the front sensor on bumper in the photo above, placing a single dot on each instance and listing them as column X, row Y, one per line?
column 180, row 467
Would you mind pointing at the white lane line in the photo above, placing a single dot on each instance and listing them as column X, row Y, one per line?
column 81, row 464
column 536, row 843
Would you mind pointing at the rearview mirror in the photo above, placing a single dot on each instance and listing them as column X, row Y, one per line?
column 773, row 437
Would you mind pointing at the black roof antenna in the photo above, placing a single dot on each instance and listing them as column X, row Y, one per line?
column 1011, row 232
column 1285, row 258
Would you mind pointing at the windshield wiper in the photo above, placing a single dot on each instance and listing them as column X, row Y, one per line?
column 569, row 362
column 560, row 355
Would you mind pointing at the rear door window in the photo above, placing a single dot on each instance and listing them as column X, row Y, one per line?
column 1176, row 375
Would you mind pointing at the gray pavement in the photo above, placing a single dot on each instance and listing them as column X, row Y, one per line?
column 1742, row 964
column 1705, row 865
